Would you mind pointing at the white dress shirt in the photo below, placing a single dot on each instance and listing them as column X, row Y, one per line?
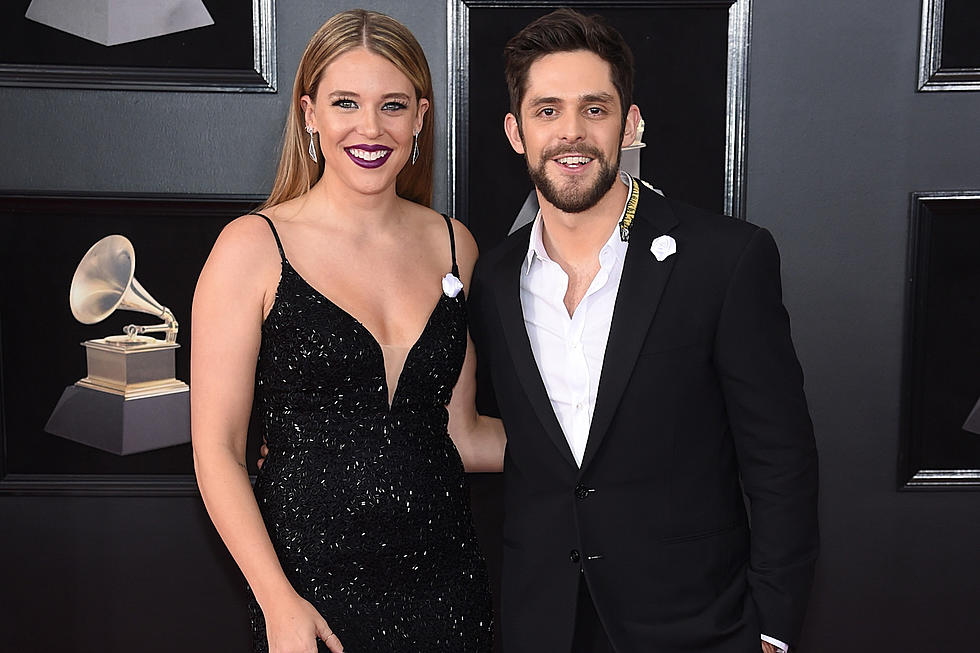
column 569, row 350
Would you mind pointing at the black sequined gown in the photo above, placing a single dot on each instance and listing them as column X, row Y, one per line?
column 367, row 506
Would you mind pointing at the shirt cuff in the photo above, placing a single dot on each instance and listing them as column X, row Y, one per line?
column 782, row 646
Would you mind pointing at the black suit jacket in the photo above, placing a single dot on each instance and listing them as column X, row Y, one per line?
column 700, row 397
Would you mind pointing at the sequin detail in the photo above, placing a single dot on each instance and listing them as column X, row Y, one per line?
column 367, row 504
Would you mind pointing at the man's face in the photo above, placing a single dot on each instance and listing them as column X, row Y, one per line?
column 571, row 129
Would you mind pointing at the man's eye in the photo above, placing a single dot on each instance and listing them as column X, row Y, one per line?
column 547, row 111
column 595, row 111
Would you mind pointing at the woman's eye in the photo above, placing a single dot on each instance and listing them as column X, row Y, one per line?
column 345, row 104
column 394, row 106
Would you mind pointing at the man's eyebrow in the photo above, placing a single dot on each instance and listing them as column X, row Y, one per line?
column 598, row 97
column 538, row 101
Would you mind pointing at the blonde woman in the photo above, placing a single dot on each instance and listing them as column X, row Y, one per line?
column 339, row 312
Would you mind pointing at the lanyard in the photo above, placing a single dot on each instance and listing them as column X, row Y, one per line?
column 627, row 221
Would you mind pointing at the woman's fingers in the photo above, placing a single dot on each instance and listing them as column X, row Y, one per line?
column 329, row 637
column 294, row 626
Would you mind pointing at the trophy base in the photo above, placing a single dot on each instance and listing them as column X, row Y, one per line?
column 134, row 367
column 121, row 425
column 630, row 159
column 111, row 22
column 972, row 423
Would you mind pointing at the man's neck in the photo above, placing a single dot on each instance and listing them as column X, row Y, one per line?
column 573, row 240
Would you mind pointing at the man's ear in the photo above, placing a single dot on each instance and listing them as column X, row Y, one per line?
column 632, row 123
column 513, row 132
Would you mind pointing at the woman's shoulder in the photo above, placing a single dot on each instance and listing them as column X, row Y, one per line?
column 245, row 245
column 435, row 225
column 466, row 248
column 465, row 245
column 246, row 232
column 244, row 264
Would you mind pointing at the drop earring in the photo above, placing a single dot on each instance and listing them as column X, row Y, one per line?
column 312, row 150
column 415, row 147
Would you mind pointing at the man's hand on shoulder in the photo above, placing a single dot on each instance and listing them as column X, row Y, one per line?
column 264, row 453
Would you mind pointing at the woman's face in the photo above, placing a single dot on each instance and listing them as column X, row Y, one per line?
column 366, row 114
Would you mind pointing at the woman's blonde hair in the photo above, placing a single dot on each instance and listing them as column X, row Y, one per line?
column 349, row 30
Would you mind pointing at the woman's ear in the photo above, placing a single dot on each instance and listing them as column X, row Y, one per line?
column 423, row 107
column 309, row 112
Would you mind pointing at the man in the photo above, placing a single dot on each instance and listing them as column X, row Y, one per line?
column 642, row 364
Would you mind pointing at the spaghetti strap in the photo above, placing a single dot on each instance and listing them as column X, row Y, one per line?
column 452, row 244
column 275, row 235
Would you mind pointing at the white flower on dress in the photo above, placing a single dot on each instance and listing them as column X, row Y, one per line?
column 451, row 285
column 663, row 246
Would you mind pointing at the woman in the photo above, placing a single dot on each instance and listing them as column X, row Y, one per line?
column 341, row 306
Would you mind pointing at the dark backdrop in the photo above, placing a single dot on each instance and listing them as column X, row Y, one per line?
column 942, row 357
column 46, row 236
column 961, row 21
column 227, row 44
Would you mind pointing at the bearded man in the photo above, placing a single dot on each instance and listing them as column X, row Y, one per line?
column 642, row 364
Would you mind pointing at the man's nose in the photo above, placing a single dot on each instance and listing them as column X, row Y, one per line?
column 571, row 128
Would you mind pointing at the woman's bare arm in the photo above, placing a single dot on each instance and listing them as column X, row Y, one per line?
column 235, row 288
column 479, row 439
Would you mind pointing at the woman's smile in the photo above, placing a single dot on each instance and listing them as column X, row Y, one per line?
column 368, row 156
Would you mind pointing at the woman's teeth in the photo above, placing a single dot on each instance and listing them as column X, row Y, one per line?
column 369, row 156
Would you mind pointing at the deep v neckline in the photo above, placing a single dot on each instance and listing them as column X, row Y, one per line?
column 378, row 347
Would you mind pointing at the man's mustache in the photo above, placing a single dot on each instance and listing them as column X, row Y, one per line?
column 582, row 148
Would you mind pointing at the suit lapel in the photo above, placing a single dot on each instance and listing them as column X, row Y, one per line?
column 640, row 289
column 508, row 296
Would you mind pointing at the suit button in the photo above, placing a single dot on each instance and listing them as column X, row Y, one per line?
column 574, row 556
column 581, row 491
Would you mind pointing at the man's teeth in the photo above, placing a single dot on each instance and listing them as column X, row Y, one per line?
column 574, row 160
column 368, row 156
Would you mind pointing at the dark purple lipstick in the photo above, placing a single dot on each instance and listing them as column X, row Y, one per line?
column 368, row 156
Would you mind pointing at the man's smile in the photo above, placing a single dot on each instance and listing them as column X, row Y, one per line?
column 573, row 161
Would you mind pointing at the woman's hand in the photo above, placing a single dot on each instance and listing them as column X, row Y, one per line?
column 293, row 625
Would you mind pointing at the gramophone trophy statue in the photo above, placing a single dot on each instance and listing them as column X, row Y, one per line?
column 130, row 400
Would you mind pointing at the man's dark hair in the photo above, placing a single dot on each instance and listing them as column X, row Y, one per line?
column 566, row 30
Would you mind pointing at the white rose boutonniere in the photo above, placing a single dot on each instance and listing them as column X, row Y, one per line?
column 451, row 285
column 663, row 246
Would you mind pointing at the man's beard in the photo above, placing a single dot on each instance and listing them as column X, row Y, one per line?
column 576, row 196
